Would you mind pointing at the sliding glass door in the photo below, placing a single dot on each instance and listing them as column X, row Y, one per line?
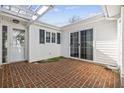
column 84, row 48
column 74, row 44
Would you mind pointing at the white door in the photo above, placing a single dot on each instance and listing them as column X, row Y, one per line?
column 17, row 47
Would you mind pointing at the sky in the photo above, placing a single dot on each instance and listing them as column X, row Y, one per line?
column 60, row 14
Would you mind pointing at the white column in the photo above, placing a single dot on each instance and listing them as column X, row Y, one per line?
column 122, row 41
column 0, row 41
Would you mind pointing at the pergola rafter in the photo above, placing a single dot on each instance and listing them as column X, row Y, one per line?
column 29, row 12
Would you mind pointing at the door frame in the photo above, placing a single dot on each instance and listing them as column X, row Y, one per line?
column 79, row 58
column 10, row 45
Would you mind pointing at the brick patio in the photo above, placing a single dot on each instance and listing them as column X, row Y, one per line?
column 64, row 73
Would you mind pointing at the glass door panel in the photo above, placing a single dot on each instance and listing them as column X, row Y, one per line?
column 86, row 48
column 74, row 44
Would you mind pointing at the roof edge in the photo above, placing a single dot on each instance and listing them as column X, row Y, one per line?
column 85, row 20
column 47, row 25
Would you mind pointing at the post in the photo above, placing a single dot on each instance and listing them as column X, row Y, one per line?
column 122, row 47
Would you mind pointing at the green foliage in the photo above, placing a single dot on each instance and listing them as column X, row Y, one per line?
column 55, row 59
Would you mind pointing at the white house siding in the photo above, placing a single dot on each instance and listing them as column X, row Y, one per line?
column 39, row 51
column 65, row 44
column 105, row 48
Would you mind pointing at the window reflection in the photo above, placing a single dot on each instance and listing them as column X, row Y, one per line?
column 18, row 38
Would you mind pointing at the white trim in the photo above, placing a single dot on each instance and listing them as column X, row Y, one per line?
column 84, row 21
column 69, row 44
column 13, row 62
column 13, row 14
column 94, row 43
column 123, row 75
column 27, row 10
column 46, row 25
column 90, row 61
column 0, row 41
column 9, row 42
column 122, row 80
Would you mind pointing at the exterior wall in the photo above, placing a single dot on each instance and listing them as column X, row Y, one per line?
column 7, row 21
column 41, row 51
column 104, row 39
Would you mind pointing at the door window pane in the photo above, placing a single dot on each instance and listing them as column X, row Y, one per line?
column 17, row 47
column 47, row 37
column 74, row 45
column 18, row 37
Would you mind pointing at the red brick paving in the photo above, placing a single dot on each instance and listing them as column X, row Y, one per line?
column 64, row 73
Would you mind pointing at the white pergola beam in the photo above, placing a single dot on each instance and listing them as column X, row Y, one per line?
column 38, row 16
column 24, row 9
column 14, row 13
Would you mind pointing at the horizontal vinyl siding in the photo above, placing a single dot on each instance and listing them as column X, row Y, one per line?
column 106, row 52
